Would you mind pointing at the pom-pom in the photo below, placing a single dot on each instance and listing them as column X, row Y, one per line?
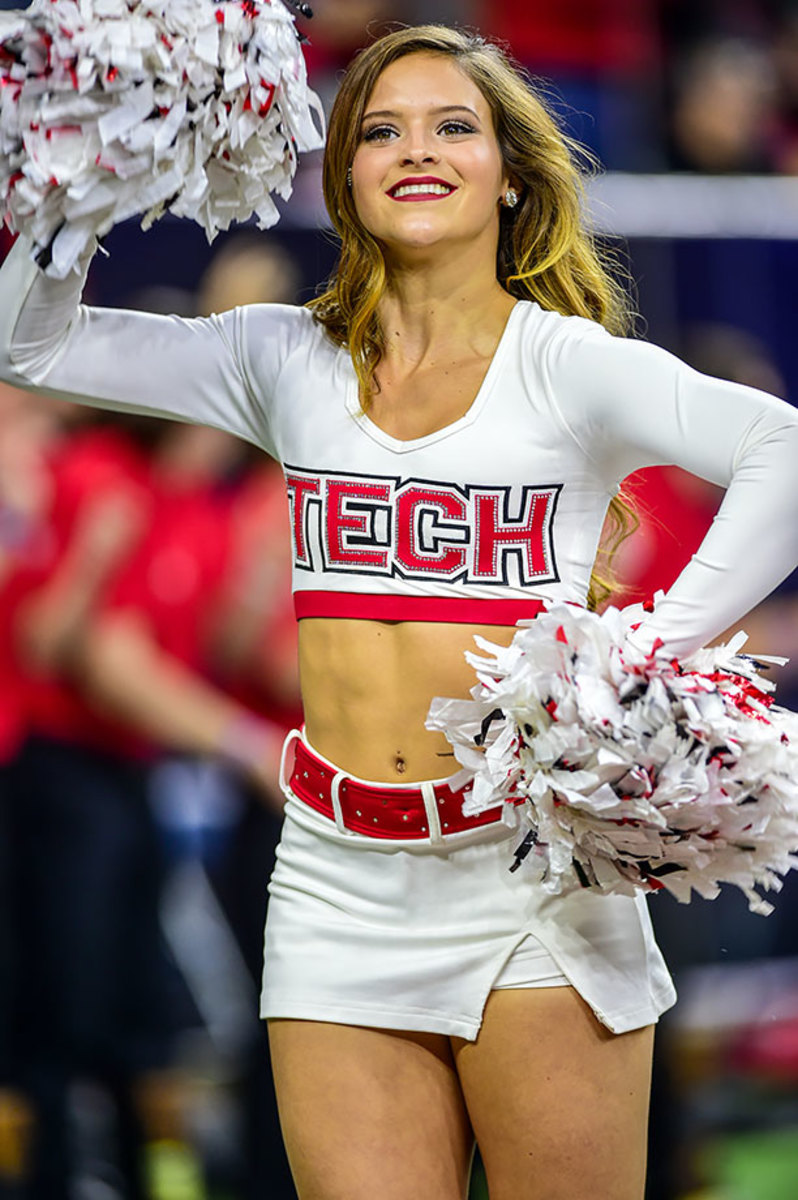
column 630, row 770
column 116, row 108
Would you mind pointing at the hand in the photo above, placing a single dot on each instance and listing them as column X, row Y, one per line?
column 256, row 747
column 108, row 527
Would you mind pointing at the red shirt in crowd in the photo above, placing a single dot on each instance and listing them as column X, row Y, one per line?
column 97, row 472
column 585, row 37
column 174, row 574
column 675, row 510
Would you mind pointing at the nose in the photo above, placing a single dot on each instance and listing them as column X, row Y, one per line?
column 418, row 148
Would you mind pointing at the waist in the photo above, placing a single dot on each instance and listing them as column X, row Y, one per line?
column 430, row 810
column 367, row 687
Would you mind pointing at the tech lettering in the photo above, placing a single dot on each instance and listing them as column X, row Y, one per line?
column 421, row 529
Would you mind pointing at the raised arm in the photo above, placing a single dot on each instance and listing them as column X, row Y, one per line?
column 219, row 371
column 631, row 405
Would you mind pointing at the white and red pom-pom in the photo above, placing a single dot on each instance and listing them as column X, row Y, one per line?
column 630, row 771
column 117, row 108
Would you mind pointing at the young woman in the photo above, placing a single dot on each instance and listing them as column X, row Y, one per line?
column 453, row 421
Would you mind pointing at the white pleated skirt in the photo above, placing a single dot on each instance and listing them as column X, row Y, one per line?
column 406, row 935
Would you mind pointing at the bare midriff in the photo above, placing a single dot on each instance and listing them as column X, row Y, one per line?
column 367, row 688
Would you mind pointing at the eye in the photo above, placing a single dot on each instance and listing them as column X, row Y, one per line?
column 378, row 133
column 457, row 127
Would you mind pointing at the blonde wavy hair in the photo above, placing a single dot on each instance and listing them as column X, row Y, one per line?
column 546, row 252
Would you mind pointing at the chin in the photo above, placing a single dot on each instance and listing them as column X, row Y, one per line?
column 430, row 241
column 426, row 233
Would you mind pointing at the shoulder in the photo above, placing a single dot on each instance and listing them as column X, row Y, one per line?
column 547, row 323
column 550, row 343
column 269, row 337
column 292, row 320
column 541, row 329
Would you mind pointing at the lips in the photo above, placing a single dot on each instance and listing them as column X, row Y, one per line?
column 421, row 187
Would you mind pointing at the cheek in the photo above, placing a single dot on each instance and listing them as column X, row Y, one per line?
column 488, row 162
column 366, row 206
column 366, row 176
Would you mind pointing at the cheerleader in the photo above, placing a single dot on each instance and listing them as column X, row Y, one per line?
column 454, row 416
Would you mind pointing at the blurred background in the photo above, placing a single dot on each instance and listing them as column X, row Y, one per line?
column 144, row 590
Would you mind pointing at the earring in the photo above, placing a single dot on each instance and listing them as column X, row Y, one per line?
column 349, row 179
column 510, row 198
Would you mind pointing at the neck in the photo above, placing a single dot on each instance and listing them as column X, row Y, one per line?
column 429, row 305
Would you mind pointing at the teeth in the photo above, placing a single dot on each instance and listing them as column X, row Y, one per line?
column 421, row 189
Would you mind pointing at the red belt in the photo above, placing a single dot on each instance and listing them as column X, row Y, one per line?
column 381, row 811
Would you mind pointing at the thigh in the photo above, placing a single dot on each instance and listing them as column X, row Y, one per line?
column 559, row 1105
column 370, row 1112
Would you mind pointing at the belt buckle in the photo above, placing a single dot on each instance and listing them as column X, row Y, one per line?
column 335, row 788
column 295, row 735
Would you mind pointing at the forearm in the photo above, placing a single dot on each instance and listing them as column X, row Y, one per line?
column 630, row 405
column 55, row 616
column 750, row 548
column 126, row 674
column 136, row 362
column 35, row 313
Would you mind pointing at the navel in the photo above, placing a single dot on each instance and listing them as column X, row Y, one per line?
column 399, row 763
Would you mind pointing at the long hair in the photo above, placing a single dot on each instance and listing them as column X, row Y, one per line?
column 546, row 252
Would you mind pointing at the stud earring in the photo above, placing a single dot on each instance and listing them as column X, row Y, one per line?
column 349, row 179
column 510, row 198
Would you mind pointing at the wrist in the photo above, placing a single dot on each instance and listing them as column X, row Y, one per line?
column 249, row 742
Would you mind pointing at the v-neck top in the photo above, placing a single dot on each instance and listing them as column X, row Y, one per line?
column 480, row 521
column 408, row 445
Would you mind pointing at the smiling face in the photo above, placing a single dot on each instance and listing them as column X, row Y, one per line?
column 428, row 169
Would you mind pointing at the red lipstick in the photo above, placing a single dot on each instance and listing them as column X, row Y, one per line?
column 425, row 187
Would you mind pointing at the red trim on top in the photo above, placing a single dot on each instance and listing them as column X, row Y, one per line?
column 370, row 607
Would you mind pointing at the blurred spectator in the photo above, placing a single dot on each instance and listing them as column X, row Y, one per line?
column 83, row 847
column 248, row 268
column 255, row 635
column 731, row 353
column 141, row 657
column 144, row 660
column 114, row 635
column 674, row 510
column 462, row 13
column 29, row 428
column 724, row 108
column 337, row 31
column 785, row 62
column 686, row 22
column 589, row 38
column 604, row 59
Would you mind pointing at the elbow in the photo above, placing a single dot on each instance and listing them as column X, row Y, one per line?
column 773, row 431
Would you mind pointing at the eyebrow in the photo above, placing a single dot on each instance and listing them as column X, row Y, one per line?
column 445, row 108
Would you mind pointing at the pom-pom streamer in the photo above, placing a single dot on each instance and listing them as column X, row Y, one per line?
column 116, row 108
column 629, row 770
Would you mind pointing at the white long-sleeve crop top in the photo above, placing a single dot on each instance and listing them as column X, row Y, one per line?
column 502, row 507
